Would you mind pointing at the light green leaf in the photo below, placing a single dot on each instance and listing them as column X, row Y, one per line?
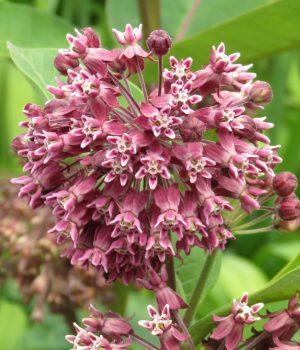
column 189, row 270
column 290, row 266
column 279, row 289
column 13, row 322
column 136, row 93
column 29, row 27
column 36, row 64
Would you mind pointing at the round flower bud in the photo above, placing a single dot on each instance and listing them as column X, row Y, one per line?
column 159, row 42
column 192, row 129
column 261, row 92
column 285, row 183
column 289, row 208
column 62, row 63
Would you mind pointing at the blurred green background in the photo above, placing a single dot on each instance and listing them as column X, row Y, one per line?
column 266, row 33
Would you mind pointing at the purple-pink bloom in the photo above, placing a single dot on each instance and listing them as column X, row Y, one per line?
column 231, row 327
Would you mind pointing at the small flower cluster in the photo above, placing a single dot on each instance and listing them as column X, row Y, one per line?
column 109, row 331
column 102, row 331
column 277, row 334
column 123, row 174
column 32, row 260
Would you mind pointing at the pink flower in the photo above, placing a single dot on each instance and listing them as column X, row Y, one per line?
column 154, row 164
column 102, row 331
column 161, row 122
column 160, row 321
column 284, row 324
column 130, row 39
column 181, row 71
column 232, row 326
column 162, row 326
column 183, row 97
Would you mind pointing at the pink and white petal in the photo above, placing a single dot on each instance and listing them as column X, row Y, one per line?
column 169, row 133
column 152, row 182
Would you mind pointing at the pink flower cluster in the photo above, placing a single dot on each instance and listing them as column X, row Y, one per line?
column 102, row 331
column 277, row 333
column 133, row 183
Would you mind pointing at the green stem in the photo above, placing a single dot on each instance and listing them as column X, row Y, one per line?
column 199, row 289
column 150, row 15
column 253, row 222
column 171, row 273
column 255, row 230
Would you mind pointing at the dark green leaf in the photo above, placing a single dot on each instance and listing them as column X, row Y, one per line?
column 189, row 270
column 29, row 27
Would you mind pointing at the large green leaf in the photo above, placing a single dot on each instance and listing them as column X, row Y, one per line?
column 29, row 27
column 189, row 270
column 261, row 31
column 276, row 290
column 36, row 64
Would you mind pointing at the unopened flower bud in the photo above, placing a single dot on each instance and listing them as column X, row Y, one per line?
column 192, row 129
column 92, row 39
column 289, row 208
column 285, row 183
column 63, row 62
column 261, row 92
column 119, row 65
column 159, row 42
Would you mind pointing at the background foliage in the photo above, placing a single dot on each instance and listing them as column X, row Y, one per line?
column 266, row 32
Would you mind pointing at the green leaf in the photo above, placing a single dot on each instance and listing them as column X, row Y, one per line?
column 246, row 277
column 29, row 27
column 36, row 64
column 136, row 93
column 290, row 266
column 279, row 289
column 48, row 335
column 189, row 270
column 259, row 32
column 13, row 322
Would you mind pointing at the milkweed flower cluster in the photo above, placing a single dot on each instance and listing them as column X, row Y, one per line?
column 123, row 173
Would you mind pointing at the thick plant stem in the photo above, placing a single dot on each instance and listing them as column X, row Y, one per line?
column 171, row 273
column 199, row 289
column 150, row 15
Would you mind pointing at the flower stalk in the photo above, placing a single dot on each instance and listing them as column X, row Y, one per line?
column 199, row 289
